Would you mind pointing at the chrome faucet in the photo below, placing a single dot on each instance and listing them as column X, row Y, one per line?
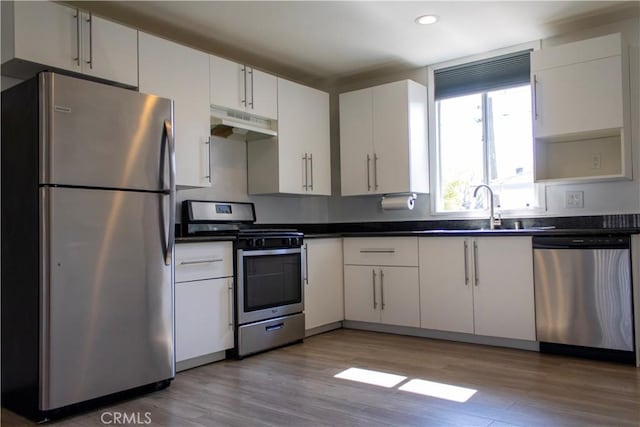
column 493, row 221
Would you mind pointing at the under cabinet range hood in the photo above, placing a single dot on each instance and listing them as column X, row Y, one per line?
column 239, row 125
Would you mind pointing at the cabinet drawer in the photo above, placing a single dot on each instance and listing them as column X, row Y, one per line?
column 197, row 261
column 402, row 251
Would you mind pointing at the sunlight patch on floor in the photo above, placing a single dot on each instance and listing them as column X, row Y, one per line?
column 418, row 386
column 370, row 377
column 439, row 390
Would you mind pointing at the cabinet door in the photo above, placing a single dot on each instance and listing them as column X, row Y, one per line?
column 399, row 296
column 173, row 71
column 317, row 142
column 323, row 291
column 390, row 167
column 303, row 139
column 292, row 163
column 227, row 83
column 263, row 94
column 503, row 292
column 356, row 142
column 45, row 33
column 446, row 288
column 361, row 294
column 203, row 318
column 577, row 98
column 110, row 50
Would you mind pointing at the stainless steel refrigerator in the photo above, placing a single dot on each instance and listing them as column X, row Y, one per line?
column 88, row 210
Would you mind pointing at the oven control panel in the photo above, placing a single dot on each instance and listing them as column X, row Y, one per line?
column 270, row 242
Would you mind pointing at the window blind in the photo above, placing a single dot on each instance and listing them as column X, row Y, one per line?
column 481, row 76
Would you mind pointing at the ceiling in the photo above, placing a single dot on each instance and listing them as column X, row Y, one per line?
column 327, row 40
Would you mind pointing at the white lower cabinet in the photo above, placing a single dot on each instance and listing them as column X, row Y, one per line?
column 383, row 286
column 480, row 285
column 204, row 302
column 203, row 320
column 378, row 294
column 323, row 290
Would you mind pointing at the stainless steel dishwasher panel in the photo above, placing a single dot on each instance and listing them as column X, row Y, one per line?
column 583, row 297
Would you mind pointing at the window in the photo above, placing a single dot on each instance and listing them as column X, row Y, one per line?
column 484, row 135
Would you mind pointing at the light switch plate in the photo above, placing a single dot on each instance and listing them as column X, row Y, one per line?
column 574, row 199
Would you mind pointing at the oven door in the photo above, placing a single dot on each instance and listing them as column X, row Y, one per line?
column 269, row 284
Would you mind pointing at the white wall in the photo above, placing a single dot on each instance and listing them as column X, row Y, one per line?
column 229, row 174
column 618, row 197
column 230, row 177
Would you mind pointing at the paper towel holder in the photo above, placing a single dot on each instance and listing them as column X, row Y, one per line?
column 408, row 198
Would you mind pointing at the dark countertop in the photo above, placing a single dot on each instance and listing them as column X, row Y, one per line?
column 624, row 224
column 501, row 232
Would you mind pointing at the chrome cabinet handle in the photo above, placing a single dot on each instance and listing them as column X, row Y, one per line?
column 77, row 16
column 375, row 171
column 305, row 186
column 368, row 172
column 244, row 85
column 306, row 264
column 535, row 97
column 377, row 251
column 466, row 264
column 230, row 300
column 208, row 144
column 373, row 283
column 251, row 73
column 381, row 289
column 201, row 261
column 90, row 21
column 311, row 170
column 475, row 263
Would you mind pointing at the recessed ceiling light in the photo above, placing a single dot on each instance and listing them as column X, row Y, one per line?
column 426, row 19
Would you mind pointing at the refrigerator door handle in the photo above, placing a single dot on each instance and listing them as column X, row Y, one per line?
column 168, row 133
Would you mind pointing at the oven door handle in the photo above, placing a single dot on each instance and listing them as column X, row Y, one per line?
column 261, row 252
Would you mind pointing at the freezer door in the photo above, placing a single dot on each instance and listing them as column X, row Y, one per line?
column 107, row 296
column 103, row 136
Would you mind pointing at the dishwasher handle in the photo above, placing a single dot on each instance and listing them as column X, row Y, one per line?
column 581, row 242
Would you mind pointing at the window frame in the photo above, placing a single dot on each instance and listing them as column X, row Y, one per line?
column 434, row 149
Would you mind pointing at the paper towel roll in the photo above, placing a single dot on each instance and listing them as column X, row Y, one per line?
column 404, row 202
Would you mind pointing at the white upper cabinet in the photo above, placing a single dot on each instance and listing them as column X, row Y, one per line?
column 180, row 73
column 38, row 35
column 383, row 139
column 298, row 160
column 581, row 110
column 243, row 88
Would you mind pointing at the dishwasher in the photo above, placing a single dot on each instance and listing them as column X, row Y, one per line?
column 583, row 296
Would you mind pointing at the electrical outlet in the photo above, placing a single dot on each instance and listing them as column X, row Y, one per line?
column 596, row 161
column 574, row 199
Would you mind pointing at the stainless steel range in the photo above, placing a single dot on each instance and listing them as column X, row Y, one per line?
column 269, row 297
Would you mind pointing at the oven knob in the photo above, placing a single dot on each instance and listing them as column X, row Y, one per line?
column 295, row 241
column 259, row 242
column 286, row 242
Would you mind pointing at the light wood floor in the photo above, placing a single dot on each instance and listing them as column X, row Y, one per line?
column 295, row 386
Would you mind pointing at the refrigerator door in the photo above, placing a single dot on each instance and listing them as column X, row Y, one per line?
column 96, row 135
column 107, row 296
